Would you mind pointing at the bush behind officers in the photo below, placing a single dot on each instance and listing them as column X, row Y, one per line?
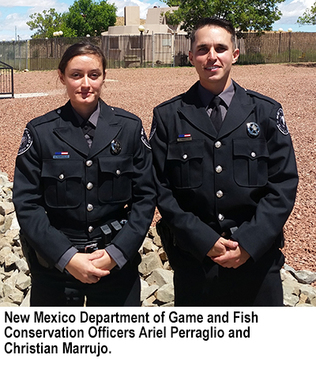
column 84, row 193
column 226, row 181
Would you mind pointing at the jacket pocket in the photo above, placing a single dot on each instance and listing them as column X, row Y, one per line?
column 62, row 183
column 115, row 178
column 185, row 164
column 250, row 163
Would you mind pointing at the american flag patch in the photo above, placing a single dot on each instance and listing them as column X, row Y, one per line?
column 61, row 155
column 184, row 137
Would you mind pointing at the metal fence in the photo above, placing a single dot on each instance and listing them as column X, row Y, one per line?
column 154, row 50
column 6, row 81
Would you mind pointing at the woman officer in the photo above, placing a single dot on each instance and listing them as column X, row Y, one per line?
column 84, row 193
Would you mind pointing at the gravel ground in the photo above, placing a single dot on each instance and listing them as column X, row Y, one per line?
column 139, row 90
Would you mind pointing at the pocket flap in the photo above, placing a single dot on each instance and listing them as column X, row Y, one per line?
column 116, row 165
column 184, row 151
column 251, row 149
column 67, row 168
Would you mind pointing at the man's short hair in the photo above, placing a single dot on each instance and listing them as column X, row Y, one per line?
column 217, row 22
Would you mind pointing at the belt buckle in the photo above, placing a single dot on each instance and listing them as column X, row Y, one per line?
column 91, row 248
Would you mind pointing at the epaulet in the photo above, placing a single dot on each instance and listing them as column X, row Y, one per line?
column 260, row 96
column 279, row 117
column 50, row 116
column 170, row 101
column 126, row 114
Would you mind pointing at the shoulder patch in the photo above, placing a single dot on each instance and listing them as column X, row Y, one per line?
column 144, row 139
column 26, row 142
column 280, row 120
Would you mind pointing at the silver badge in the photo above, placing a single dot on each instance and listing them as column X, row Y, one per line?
column 253, row 129
column 281, row 124
column 115, row 147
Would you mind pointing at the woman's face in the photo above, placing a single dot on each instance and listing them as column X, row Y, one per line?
column 83, row 78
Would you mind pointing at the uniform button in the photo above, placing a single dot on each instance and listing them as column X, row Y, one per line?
column 89, row 186
column 61, row 176
column 90, row 229
column 219, row 169
column 253, row 154
column 185, row 156
column 58, row 111
column 221, row 217
column 118, row 172
column 219, row 193
column 90, row 207
column 89, row 163
column 218, row 144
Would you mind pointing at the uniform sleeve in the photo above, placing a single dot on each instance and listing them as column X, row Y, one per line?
column 143, row 200
column 65, row 258
column 48, row 242
column 196, row 237
column 266, row 226
column 116, row 255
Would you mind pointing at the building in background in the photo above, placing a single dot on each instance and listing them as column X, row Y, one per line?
column 156, row 22
column 149, row 43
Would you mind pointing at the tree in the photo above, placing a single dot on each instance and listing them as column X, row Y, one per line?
column 309, row 16
column 245, row 15
column 87, row 17
column 47, row 23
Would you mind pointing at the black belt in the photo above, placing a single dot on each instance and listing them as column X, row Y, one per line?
column 88, row 246
column 108, row 232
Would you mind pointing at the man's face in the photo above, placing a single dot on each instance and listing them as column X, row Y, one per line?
column 213, row 55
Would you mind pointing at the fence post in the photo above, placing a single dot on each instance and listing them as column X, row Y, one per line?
column 19, row 51
column 290, row 37
column 153, row 49
column 26, row 54
column 280, row 34
column 12, row 82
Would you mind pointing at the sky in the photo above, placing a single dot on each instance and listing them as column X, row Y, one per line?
column 15, row 13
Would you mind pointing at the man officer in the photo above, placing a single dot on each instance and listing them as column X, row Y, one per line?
column 226, row 177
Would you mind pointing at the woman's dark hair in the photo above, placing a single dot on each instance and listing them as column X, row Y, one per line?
column 214, row 21
column 80, row 49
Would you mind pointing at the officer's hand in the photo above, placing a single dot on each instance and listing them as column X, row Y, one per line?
column 105, row 262
column 233, row 258
column 81, row 267
column 221, row 247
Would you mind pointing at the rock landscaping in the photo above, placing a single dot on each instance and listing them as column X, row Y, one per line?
column 155, row 271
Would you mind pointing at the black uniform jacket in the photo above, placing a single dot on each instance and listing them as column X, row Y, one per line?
column 242, row 180
column 63, row 189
